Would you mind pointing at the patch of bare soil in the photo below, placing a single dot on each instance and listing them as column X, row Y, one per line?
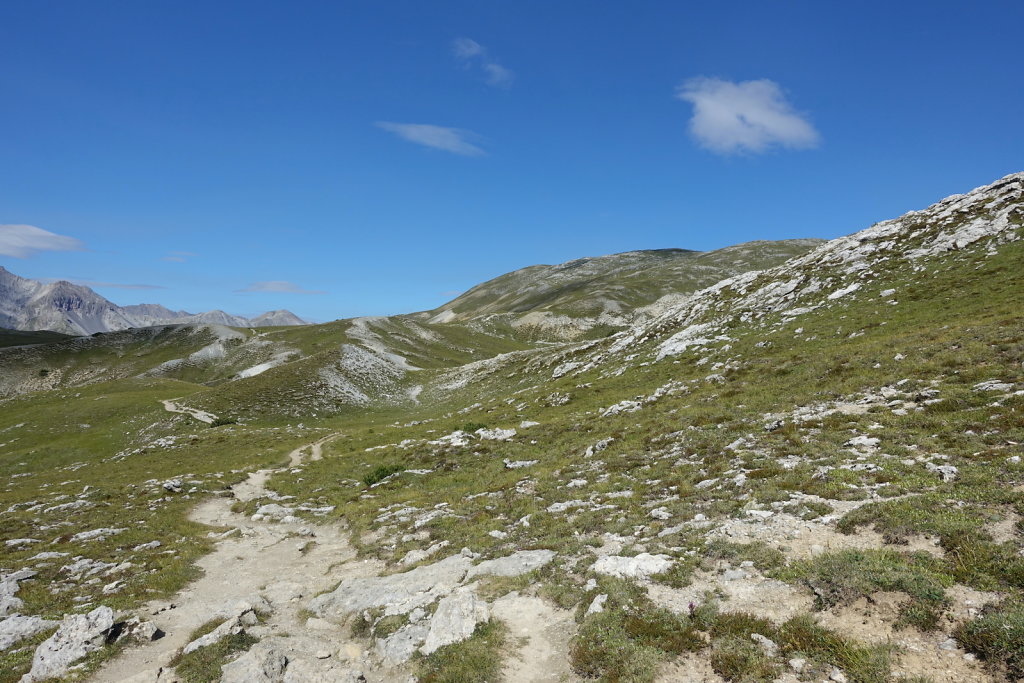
column 542, row 633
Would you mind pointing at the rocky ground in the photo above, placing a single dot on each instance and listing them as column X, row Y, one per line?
column 813, row 473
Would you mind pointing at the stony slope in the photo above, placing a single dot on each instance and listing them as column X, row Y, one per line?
column 609, row 290
column 809, row 473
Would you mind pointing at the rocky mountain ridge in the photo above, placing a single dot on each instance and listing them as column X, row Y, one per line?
column 611, row 291
column 68, row 308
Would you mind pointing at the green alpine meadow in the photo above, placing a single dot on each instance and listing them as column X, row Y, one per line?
column 795, row 460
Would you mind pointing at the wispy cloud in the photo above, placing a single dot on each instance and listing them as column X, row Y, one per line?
column 279, row 287
column 115, row 285
column 98, row 283
column 749, row 116
column 178, row 256
column 454, row 140
column 474, row 55
column 22, row 241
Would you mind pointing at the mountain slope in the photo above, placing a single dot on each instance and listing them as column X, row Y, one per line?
column 75, row 309
column 813, row 472
column 609, row 290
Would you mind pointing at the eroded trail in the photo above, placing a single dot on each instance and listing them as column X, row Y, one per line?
column 285, row 564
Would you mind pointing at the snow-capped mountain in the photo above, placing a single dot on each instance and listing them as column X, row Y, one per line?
column 75, row 309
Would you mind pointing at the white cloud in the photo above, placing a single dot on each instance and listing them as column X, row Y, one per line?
column 178, row 256
column 22, row 241
column 452, row 140
column 497, row 75
column 279, row 287
column 464, row 48
column 750, row 116
column 474, row 55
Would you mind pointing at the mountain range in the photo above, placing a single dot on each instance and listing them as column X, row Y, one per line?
column 77, row 310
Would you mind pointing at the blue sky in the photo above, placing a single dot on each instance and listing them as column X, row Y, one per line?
column 342, row 159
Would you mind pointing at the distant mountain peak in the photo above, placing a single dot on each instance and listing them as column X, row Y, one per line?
column 65, row 307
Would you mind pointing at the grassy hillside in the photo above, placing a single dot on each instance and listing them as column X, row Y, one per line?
column 22, row 338
column 833, row 442
column 614, row 286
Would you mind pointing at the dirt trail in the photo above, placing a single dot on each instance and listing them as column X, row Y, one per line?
column 287, row 564
column 545, row 631
column 277, row 561
column 201, row 415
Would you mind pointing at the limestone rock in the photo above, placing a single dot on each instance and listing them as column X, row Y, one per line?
column 597, row 604
column 496, row 434
column 767, row 644
column 641, row 566
column 232, row 626
column 17, row 627
column 78, row 635
column 455, row 619
column 263, row 663
column 9, row 603
column 401, row 645
column 397, row 593
column 516, row 564
column 138, row 630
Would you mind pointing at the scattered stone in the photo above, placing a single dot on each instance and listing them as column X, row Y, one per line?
column 661, row 513
column 797, row 664
column 18, row 627
column 95, row 534
column 566, row 505
column 767, row 644
column 993, row 385
column 598, row 447
column 78, row 635
column 516, row 564
column 9, row 603
column 526, row 424
column 519, row 464
column 172, row 485
column 495, row 434
column 401, row 645
column 837, row 676
column 147, row 546
column 639, row 567
column 597, row 604
column 455, row 619
column 865, row 442
column 263, row 663
column 418, row 555
column 138, row 630
column 396, row 593
column 232, row 626
column 622, row 407
column 456, row 439
column 947, row 472
column 273, row 511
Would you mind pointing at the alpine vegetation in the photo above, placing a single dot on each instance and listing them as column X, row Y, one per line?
column 780, row 461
